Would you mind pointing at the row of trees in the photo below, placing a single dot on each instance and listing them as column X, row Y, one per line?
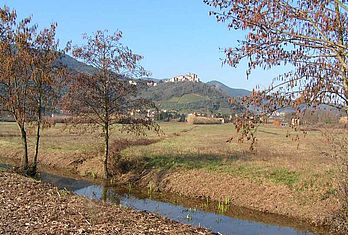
column 31, row 79
column 27, row 75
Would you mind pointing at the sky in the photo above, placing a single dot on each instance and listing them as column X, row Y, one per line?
column 174, row 36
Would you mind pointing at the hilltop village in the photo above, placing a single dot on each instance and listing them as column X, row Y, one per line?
column 191, row 116
column 190, row 77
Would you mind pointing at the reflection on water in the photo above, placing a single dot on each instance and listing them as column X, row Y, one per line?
column 193, row 214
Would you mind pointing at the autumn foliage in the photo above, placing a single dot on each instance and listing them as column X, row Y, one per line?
column 307, row 37
column 28, row 75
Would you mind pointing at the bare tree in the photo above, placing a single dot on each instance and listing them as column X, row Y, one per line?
column 28, row 75
column 309, row 36
column 15, row 72
column 47, row 73
column 105, row 97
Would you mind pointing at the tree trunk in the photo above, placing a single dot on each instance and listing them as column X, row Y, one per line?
column 342, row 53
column 106, row 150
column 105, row 194
column 25, row 163
column 34, row 166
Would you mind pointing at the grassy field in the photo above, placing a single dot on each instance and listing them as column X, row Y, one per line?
column 302, row 175
column 60, row 145
column 188, row 98
column 299, row 178
column 278, row 159
column 61, row 139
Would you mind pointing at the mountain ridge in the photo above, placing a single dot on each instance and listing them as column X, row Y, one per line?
column 233, row 92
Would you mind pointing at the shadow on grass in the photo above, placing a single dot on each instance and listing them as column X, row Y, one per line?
column 189, row 161
column 212, row 162
column 165, row 162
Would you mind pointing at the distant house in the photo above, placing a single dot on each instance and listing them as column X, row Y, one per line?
column 277, row 123
column 151, row 83
column 150, row 114
column 132, row 82
column 192, row 118
column 277, row 114
column 295, row 121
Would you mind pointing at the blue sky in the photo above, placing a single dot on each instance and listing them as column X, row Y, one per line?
column 174, row 36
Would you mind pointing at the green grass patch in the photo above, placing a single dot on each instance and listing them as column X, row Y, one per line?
column 187, row 162
column 328, row 193
column 260, row 173
column 283, row 176
column 188, row 98
column 247, row 171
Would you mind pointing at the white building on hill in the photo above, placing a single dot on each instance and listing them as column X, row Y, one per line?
column 191, row 77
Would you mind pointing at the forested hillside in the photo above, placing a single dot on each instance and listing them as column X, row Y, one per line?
column 188, row 97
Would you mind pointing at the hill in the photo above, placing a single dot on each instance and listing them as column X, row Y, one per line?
column 75, row 65
column 182, row 96
column 233, row 92
column 188, row 97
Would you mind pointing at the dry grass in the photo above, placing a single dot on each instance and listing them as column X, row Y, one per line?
column 69, row 149
column 278, row 158
column 302, row 173
column 305, row 169
column 294, row 178
column 203, row 120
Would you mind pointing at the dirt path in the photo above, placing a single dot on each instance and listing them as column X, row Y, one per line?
column 31, row 207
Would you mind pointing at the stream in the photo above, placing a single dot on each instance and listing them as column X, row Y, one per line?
column 198, row 212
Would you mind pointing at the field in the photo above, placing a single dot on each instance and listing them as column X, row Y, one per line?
column 188, row 98
column 294, row 178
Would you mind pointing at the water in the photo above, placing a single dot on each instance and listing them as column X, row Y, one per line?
column 197, row 212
